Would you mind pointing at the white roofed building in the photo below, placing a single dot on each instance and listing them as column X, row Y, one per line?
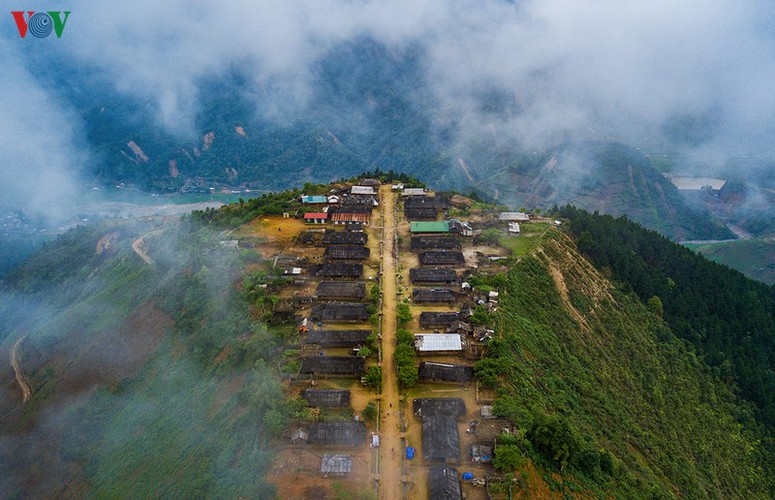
column 363, row 190
column 438, row 342
column 514, row 216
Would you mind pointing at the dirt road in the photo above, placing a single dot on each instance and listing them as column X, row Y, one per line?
column 17, row 370
column 137, row 246
column 390, row 486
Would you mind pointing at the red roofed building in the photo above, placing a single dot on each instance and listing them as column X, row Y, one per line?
column 339, row 218
column 315, row 218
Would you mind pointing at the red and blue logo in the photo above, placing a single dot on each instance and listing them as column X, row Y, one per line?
column 40, row 24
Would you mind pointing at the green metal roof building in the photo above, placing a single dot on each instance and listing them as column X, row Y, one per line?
column 429, row 227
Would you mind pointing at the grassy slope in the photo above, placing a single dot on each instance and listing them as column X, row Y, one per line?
column 601, row 361
column 755, row 258
column 128, row 402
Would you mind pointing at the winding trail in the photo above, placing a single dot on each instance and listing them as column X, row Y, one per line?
column 137, row 246
column 17, row 370
column 390, row 486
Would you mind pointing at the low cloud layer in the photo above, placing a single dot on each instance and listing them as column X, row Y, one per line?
column 603, row 70
column 40, row 153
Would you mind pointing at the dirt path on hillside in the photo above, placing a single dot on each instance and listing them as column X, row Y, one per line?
column 390, row 486
column 137, row 246
column 17, row 370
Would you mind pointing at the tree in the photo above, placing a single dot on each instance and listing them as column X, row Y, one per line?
column 373, row 377
column 508, row 457
column 370, row 412
column 408, row 375
column 275, row 421
column 403, row 314
column 553, row 437
column 655, row 306
column 404, row 337
column 491, row 236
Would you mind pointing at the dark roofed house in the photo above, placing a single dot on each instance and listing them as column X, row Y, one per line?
column 442, row 258
column 433, row 275
column 344, row 238
column 433, row 296
column 441, row 202
column 340, row 311
column 440, row 438
column 352, row 208
column 337, row 270
column 435, row 243
column 333, row 365
column 341, row 290
column 420, row 214
column 444, row 372
column 436, row 319
column 338, row 433
column 336, row 465
column 451, row 407
column 337, row 338
column 353, row 226
column 444, row 483
column 347, row 252
column 326, row 398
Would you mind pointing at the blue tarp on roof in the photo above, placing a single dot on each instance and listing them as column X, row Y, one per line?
column 409, row 453
column 314, row 199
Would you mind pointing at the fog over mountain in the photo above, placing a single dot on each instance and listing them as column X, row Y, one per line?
column 667, row 75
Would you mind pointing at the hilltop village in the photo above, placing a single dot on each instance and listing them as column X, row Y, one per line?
column 387, row 287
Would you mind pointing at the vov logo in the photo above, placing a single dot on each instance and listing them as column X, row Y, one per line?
column 40, row 24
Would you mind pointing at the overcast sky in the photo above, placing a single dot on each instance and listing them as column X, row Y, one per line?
column 576, row 68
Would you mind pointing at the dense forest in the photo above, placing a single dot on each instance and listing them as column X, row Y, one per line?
column 603, row 396
column 728, row 318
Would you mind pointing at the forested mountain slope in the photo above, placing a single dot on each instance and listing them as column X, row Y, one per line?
column 603, row 391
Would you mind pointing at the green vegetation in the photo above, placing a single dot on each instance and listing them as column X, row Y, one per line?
column 755, row 257
column 188, row 395
column 403, row 314
column 728, row 318
column 370, row 412
column 406, row 359
column 600, row 389
column 373, row 377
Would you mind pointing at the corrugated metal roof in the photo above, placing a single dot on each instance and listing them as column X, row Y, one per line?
column 362, row 190
column 430, row 342
column 314, row 199
column 316, row 215
column 347, row 217
column 336, row 464
column 413, row 192
column 429, row 227
column 520, row 216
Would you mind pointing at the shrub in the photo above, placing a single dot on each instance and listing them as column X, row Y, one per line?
column 370, row 412
column 508, row 457
column 403, row 314
column 373, row 377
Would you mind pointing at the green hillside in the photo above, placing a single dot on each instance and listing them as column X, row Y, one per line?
column 603, row 392
column 149, row 380
column 755, row 257
column 628, row 365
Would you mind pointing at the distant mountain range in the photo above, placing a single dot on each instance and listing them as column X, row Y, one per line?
column 367, row 111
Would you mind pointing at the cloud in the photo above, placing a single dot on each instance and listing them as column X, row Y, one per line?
column 597, row 69
column 39, row 152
